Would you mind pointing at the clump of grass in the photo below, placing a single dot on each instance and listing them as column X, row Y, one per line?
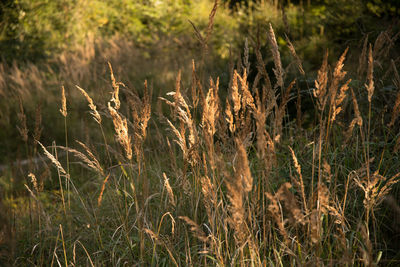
column 245, row 188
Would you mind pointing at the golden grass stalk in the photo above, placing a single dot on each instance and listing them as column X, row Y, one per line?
column 121, row 129
column 247, row 98
column 338, row 75
column 315, row 227
column 92, row 106
column 375, row 188
column 326, row 171
column 153, row 235
column 290, row 202
column 342, row 93
column 169, row 190
column 211, row 17
column 64, row 249
column 238, row 187
column 237, row 209
column 292, row 51
column 236, row 96
column 356, row 109
column 301, row 183
column 315, row 216
column 53, row 159
column 357, row 120
column 209, row 118
column 339, row 99
column 195, row 229
column 198, row 35
column 63, row 109
column 370, row 75
column 204, row 41
column 210, row 109
column 256, row 82
column 181, row 140
column 177, row 94
column 115, row 86
column 265, row 144
column 34, row 181
column 60, row 170
column 91, row 155
column 210, row 196
column 182, row 110
column 261, row 67
column 237, row 114
column 275, row 210
column 242, row 169
column 157, row 238
column 103, row 187
column 260, row 116
column 92, row 164
column 229, row 117
column 383, row 44
column 278, row 70
column 323, row 197
column 321, row 84
column 141, row 113
column 32, row 195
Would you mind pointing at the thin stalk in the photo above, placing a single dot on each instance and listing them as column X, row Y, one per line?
column 55, row 248
column 367, row 139
column 106, row 144
column 63, row 243
column 62, row 193
column 67, row 181
column 366, row 157
column 138, row 219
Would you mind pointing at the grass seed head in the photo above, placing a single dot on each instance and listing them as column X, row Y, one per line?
column 115, row 85
column 53, row 159
column 103, row 187
column 278, row 70
column 370, row 75
column 169, row 190
column 63, row 109
column 92, row 106
column 195, row 229
column 121, row 129
column 321, row 83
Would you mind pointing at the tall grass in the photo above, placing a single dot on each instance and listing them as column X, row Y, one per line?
column 205, row 175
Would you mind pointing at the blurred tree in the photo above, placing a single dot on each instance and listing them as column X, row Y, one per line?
column 31, row 30
column 9, row 14
column 386, row 8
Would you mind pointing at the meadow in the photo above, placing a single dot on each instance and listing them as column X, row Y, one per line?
column 203, row 154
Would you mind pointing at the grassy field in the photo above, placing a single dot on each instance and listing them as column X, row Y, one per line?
column 241, row 162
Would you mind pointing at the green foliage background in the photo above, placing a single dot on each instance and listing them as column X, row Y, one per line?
column 31, row 30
